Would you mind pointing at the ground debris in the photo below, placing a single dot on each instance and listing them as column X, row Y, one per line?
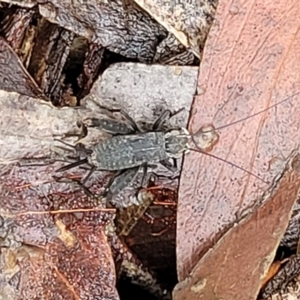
column 34, row 122
column 84, row 269
column 13, row 76
column 214, row 195
column 65, row 49
column 232, row 252
column 285, row 277
column 189, row 20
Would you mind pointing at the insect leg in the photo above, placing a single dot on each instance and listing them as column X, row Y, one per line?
column 120, row 181
column 52, row 158
column 37, row 162
column 166, row 163
column 73, row 165
column 89, row 175
column 130, row 120
column 81, row 186
column 167, row 114
column 122, row 112
column 79, row 148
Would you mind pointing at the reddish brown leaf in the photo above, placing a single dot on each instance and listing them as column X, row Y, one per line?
column 83, row 269
column 250, row 62
column 235, row 267
column 32, row 202
column 74, row 259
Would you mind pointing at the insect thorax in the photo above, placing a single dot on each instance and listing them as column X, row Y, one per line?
column 128, row 151
column 177, row 142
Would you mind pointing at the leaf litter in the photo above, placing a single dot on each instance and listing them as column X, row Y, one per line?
column 84, row 81
column 222, row 195
column 34, row 185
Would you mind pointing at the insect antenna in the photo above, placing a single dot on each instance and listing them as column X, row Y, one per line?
column 233, row 123
column 227, row 162
column 255, row 114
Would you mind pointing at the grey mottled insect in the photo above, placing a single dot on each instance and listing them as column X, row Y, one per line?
column 130, row 149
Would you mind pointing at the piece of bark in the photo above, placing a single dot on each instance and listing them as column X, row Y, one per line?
column 188, row 20
column 292, row 234
column 236, row 266
column 91, row 67
column 249, row 63
column 171, row 52
column 147, row 92
column 14, row 26
column 49, row 55
column 13, row 76
column 29, row 126
column 132, row 33
column 128, row 31
column 22, row 3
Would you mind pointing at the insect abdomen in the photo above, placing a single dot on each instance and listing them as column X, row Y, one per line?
column 128, row 151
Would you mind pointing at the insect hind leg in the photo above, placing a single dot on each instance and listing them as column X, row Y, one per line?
column 73, row 165
column 171, row 167
column 37, row 162
column 92, row 170
column 120, row 181
column 161, row 119
column 167, row 114
column 123, row 179
column 85, row 189
column 78, row 148
column 123, row 129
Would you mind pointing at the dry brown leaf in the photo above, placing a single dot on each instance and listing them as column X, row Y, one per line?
column 83, row 271
column 250, row 63
column 67, row 227
column 236, row 266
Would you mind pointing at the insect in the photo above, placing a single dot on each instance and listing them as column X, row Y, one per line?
column 130, row 149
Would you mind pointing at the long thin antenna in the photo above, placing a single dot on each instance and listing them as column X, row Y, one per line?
column 236, row 122
column 229, row 163
column 226, row 161
column 257, row 113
